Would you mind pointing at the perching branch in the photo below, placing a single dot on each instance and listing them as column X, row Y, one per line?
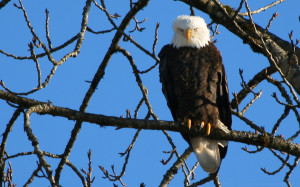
column 265, row 139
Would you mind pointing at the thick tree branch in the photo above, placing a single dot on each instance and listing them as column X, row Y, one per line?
column 3, row 3
column 265, row 140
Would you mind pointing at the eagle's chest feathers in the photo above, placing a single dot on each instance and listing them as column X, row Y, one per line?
column 193, row 70
column 195, row 73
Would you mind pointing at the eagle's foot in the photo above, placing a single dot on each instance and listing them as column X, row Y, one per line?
column 201, row 125
column 208, row 127
column 189, row 123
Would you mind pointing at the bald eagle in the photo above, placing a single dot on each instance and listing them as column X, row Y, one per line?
column 195, row 86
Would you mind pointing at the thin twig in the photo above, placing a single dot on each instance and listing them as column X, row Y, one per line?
column 282, row 117
column 32, row 153
column 284, row 162
column 8, row 129
column 238, row 10
column 258, row 78
column 68, row 163
column 38, row 68
column 173, row 170
column 35, row 35
column 275, row 15
column 138, row 108
column 138, row 79
column 137, row 27
column 34, row 173
column 155, row 39
column 7, row 177
column 192, row 11
column 248, row 122
column 164, row 162
column 191, row 173
column 47, row 30
column 256, row 96
column 258, row 149
column 100, row 32
column 89, row 179
column 288, row 174
column 261, row 9
column 203, row 181
column 68, row 42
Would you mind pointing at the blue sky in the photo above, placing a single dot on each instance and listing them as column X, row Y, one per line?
column 118, row 91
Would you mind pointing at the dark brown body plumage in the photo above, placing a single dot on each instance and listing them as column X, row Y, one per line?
column 195, row 86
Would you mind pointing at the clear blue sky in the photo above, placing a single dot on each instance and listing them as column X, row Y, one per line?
column 118, row 91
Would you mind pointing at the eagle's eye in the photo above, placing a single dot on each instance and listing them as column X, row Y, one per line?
column 195, row 29
column 180, row 30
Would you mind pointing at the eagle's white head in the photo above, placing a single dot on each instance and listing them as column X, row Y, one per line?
column 190, row 31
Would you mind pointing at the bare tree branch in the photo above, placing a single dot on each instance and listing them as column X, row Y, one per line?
column 98, row 76
column 265, row 139
column 35, row 142
column 4, row 140
column 263, row 8
column 173, row 170
column 3, row 3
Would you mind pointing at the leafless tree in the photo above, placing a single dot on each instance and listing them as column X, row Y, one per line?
column 283, row 57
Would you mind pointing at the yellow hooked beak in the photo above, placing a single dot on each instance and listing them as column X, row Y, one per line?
column 188, row 34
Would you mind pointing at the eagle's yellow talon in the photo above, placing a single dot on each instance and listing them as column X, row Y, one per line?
column 202, row 124
column 189, row 123
column 208, row 129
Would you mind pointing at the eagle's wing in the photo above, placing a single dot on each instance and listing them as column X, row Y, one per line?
column 223, row 104
column 168, row 85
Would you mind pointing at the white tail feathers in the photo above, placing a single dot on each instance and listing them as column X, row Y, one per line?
column 207, row 153
column 207, row 150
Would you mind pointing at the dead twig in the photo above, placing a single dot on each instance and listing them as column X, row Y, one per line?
column 262, row 9
column 7, row 177
column 34, row 174
column 89, row 179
